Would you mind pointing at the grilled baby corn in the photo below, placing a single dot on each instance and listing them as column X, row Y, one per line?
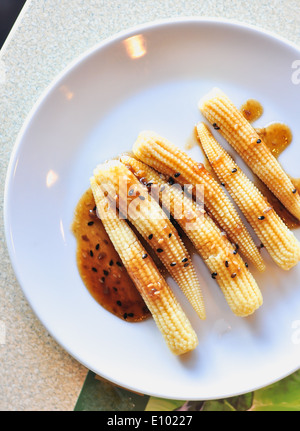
column 274, row 234
column 225, row 117
column 227, row 267
column 166, row 311
column 153, row 224
column 170, row 160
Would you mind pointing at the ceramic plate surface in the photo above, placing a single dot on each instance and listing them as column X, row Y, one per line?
column 150, row 77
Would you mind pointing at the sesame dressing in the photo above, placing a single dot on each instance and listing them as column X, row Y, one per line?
column 276, row 136
column 252, row 110
column 275, row 205
column 100, row 266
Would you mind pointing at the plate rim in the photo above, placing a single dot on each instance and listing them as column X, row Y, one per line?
column 71, row 66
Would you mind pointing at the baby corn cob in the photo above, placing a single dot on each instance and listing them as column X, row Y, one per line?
column 231, row 273
column 225, row 117
column 153, row 224
column 170, row 160
column 274, row 234
column 164, row 307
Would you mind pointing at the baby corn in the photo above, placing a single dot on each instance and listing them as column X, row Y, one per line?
column 229, row 121
column 164, row 307
column 170, row 160
column 231, row 273
column 273, row 233
column 155, row 227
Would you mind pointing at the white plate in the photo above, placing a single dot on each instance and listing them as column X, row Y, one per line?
column 95, row 110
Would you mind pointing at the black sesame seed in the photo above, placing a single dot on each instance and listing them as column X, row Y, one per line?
column 234, row 251
column 227, row 264
column 216, row 127
column 91, row 253
column 94, row 209
column 90, row 223
column 94, row 269
column 159, row 250
column 119, row 303
column 125, row 315
column 103, row 279
column 119, row 263
column 294, row 191
column 261, row 217
column 150, row 236
column 258, row 141
column 223, row 184
column 233, row 275
column 115, row 289
column 170, row 234
column 111, row 263
column 246, row 265
column 142, row 197
column 214, row 275
column 261, row 245
column 171, row 181
column 173, row 264
column 186, row 264
column 105, row 272
column 144, row 256
column 234, row 170
column 177, row 174
column 185, row 259
column 237, row 246
column 97, row 246
column 130, row 314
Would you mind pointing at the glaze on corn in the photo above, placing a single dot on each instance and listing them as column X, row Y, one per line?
column 155, row 227
column 227, row 268
column 164, row 307
column 229, row 121
column 271, row 230
column 168, row 159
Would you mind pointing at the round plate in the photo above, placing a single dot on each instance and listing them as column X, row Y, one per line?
column 150, row 77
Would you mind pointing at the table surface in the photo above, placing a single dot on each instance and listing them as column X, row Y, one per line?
column 36, row 373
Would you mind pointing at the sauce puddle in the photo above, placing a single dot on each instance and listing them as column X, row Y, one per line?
column 277, row 137
column 284, row 214
column 252, row 110
column 100, row 266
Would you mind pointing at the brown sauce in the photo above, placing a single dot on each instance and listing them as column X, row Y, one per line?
column 252, row 110
column 192, row 140
column 276, row 136
column 284, row 214
column 100, row 266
